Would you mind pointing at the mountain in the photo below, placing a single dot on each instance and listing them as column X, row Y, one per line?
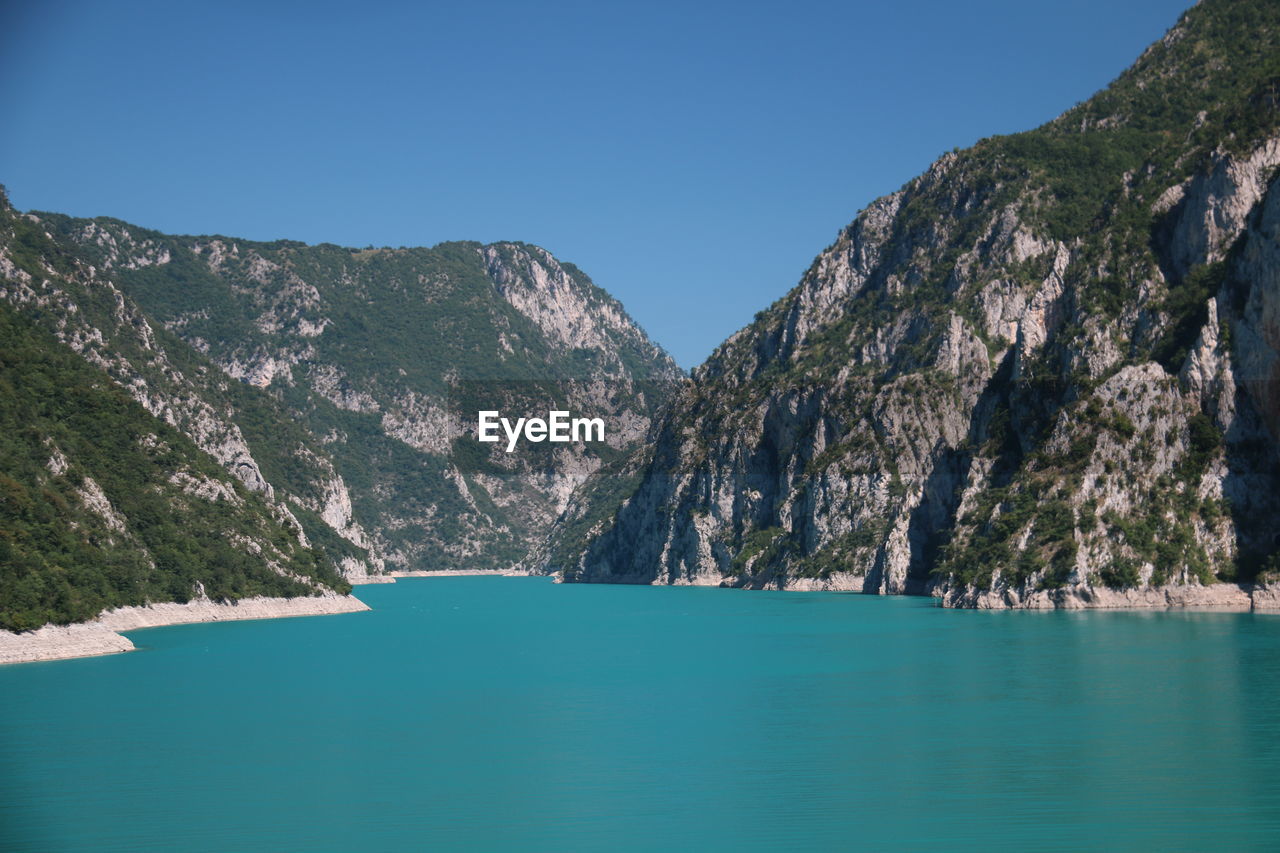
column 384, row 356
column 338, row 388
column 104, row 505
column 1042, row 374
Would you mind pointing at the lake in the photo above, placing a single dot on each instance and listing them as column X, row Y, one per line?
column 489, row 713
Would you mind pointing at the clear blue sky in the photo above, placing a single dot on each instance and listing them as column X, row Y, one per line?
column 691, row 157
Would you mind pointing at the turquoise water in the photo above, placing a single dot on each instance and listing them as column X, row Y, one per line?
column 513, row 714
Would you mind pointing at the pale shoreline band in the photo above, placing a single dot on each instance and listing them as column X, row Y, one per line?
column 390, row 577
column 101, row 637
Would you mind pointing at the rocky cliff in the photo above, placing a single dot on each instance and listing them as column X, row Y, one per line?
column 1041, row 374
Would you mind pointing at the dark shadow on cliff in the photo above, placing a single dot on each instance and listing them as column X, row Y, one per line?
column 1252, row 490
column 992, row 423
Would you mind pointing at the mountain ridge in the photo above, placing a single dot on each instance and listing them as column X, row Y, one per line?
column 348, row 429
column 1014, row 382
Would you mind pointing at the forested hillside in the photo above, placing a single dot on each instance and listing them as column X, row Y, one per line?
column 104, row 505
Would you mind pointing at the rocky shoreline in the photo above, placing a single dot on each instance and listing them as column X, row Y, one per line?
column 390, row 577
column 101, row 637
column 1222, row 597
column 1225, row 597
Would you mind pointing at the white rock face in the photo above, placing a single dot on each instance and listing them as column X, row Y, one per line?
column 95, row 500
column 216, row 252
column 335, row 509
column 1208, row 375
column 1043, row 314
column 121, row 249
column 538, row 287
column 331, row 383
column 845, row 268
column 205, row 488
column 1214, row 206
column 1003, row 304
column 261, row 372
column 422, row 423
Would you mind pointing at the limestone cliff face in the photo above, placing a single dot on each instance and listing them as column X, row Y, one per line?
column 380, row 359
column 1041, row 374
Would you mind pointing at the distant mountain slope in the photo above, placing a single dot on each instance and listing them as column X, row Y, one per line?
column 104, row 505
column 342, row 385
column 385, row 355
column 1043, row 373
column 240, row 426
